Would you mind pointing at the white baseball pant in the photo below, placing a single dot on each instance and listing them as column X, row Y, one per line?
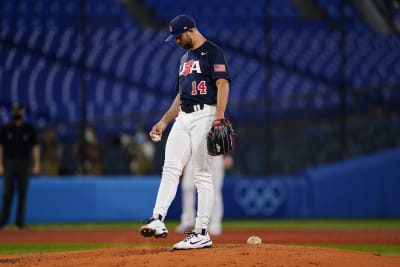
column 187, row 139
column 189, row 196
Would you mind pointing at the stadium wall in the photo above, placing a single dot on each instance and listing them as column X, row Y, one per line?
column 366, row 187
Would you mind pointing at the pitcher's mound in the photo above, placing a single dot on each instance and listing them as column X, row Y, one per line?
column 218, row 255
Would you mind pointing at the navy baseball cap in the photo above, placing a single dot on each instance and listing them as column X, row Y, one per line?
column 179, row 25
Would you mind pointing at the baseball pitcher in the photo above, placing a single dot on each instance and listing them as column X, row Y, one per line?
column 202, row 94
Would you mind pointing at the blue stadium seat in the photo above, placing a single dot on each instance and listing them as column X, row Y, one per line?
column 130, row 68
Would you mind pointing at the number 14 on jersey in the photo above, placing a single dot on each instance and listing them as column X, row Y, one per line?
column 201, row 87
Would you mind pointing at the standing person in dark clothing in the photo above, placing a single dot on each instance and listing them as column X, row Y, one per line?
column 18, row 146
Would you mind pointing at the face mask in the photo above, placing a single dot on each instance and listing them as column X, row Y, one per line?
column 89, row 137
column 140, row 138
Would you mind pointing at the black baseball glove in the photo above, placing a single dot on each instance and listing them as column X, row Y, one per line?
column 220, row 138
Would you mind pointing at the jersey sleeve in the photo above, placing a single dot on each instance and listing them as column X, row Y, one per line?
column 219, row 66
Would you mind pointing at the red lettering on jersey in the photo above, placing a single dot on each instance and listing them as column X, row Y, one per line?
column 186, row 68
column 201, row 87
column 190, row 66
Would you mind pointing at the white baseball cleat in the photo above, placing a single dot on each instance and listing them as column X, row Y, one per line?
column 194, row 241
column 155, row 228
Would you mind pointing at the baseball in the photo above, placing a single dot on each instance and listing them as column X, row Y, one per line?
column 254, row 240
column 156, row 137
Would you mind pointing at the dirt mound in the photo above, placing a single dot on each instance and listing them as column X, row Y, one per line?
column 218, row 255
column 229, row 249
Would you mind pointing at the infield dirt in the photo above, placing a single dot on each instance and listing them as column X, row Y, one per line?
column 229, row 249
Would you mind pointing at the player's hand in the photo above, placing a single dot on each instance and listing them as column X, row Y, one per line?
column 218, row 123
column 158, row 129
column 1, row 169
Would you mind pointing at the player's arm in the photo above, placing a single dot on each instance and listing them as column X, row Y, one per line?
column 173, row 110
column 171, row 114
column 35, row 151
column 222, row 98
column 36, row 159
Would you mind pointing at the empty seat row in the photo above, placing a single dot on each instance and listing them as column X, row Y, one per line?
column 132, row 71
column 62, row 8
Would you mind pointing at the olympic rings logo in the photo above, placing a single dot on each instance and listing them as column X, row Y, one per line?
column 260, row 197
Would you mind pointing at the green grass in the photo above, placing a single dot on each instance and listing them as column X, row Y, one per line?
column 364, row 224
column 14, row 248
column 44, row 248
column 36, row 248
column 360, row 224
